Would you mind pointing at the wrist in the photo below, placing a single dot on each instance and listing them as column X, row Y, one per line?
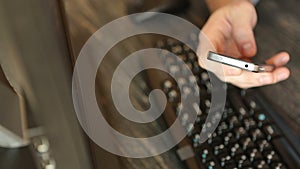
column 214, row 5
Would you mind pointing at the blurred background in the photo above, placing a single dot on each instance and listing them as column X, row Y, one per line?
column 39, row 43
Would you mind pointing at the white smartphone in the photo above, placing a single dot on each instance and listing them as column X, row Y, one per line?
column 239, row 63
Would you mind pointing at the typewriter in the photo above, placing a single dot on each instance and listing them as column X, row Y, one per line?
column 250, row 135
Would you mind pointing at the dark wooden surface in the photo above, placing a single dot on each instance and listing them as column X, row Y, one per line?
column 82, row 19
column 278, row 29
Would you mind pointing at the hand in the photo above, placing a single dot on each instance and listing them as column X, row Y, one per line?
column 229, row 31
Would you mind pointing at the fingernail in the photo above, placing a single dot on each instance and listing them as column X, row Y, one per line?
column 284, row 59
column 247, row 46
column 265, row 80
column 282, row 76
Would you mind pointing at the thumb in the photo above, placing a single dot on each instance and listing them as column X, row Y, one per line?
column 243, row 21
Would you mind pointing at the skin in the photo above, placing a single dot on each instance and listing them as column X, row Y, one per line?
column 230, row 31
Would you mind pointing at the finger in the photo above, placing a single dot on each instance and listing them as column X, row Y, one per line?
column 279, row 59
column 276, row 76
column 243, row 28
column 250, row 79
column 215, row 31
column 230, row 49
column 244, row 38
column 280, row 74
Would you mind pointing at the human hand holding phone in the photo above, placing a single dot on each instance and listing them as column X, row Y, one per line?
column 229, row 31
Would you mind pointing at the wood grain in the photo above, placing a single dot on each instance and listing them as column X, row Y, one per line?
column 277, row 29
column 82, row 19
